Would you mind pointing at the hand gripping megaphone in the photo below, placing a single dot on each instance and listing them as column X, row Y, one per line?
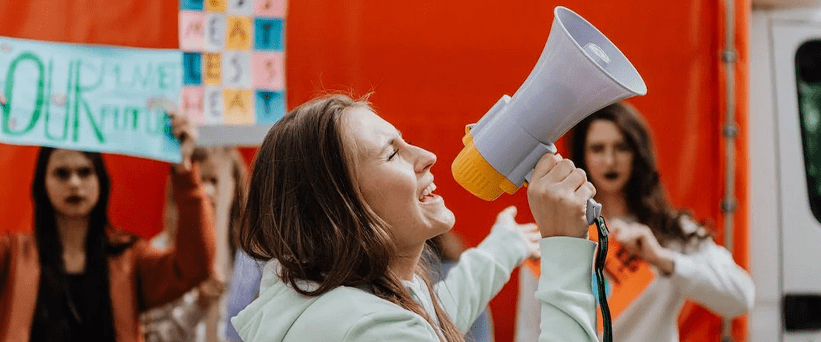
column 579, row 72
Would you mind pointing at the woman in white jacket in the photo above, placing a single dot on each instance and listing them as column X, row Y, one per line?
column 614, row 146
column 342, row 206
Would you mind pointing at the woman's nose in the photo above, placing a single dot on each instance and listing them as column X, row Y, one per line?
column 610, row 157
column 424, row 159
column 74, row 179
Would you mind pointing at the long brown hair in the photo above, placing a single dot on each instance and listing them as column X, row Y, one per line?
column 646, row 198
column 51, row 319
column 304, row 210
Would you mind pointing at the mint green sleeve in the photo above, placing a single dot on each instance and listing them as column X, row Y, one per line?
column 480, row 274
column 565, row 291
column 391, row 327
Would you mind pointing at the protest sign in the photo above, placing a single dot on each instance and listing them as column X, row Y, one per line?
column 92, row 98
column 234, row 67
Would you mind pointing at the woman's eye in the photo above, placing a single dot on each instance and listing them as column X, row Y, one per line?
column 84, row 172
column 395, row 152
column 596, row 149
column 622, row 147
column 62, row 173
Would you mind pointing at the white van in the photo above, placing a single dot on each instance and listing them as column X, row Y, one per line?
column 785, row 174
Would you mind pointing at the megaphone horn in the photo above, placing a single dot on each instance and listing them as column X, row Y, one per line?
column 579, row 72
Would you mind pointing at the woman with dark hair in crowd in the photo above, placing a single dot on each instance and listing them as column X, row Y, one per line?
column 341, row 207
column 615, row 147
column 77, row 278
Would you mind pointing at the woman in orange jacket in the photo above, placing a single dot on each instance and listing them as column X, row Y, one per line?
column 76, row 278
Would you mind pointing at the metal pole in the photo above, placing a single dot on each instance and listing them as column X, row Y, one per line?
column 730, row 130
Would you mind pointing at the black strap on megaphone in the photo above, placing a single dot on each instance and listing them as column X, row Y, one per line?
column 594, row 216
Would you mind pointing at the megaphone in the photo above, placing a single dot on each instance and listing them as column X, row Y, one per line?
column 580, row 71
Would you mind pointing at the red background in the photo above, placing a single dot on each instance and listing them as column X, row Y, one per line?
column 434, row 66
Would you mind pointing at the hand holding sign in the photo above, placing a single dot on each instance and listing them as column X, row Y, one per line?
column 639, row 240
column 2, row 100
column 181, row 128
column 186, row 133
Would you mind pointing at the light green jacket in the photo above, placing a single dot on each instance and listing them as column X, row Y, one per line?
column 352, row 314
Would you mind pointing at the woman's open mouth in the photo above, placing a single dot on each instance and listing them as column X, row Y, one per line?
column 427, row 194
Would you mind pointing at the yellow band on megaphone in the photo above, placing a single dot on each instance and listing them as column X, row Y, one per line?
column 476, row 175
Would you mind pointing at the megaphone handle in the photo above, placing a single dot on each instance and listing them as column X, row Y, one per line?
column 593, row 211
column 593, row 207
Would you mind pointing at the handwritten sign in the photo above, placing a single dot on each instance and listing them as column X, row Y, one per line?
column 234, row 61
column 91, row 98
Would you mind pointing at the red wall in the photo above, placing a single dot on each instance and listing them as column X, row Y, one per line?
column 433, row 67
